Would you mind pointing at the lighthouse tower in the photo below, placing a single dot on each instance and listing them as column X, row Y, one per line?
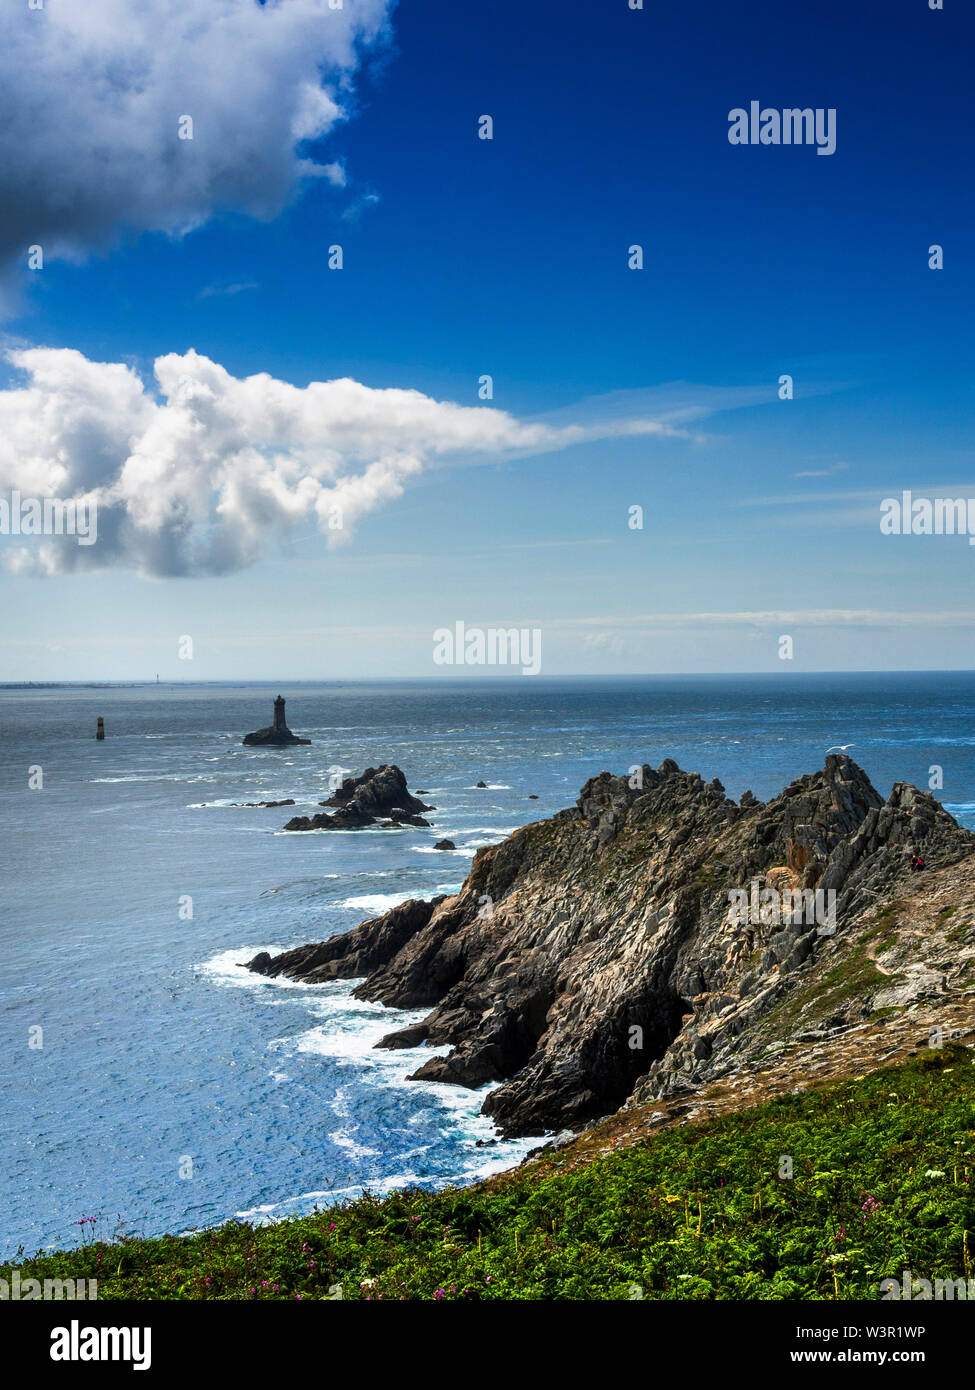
column 276, row 735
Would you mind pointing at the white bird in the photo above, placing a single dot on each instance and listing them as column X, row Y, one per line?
column 840, row 747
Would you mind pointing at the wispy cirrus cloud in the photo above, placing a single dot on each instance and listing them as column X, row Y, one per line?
column 228, row 291
column 778, row 619
column 822, row 472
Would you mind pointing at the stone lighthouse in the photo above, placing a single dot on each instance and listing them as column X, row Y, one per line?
column 276, row 735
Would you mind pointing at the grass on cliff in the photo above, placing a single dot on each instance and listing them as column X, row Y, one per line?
column 883, row 1170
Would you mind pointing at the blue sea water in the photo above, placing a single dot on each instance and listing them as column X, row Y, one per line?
column 175, row 1090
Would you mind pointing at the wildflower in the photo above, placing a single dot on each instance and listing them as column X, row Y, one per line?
column 934, row 1173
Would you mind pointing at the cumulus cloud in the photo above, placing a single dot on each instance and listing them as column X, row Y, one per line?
column 92, row 94
column 197, row 472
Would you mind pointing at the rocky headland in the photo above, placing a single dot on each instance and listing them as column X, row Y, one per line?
column 659, row 941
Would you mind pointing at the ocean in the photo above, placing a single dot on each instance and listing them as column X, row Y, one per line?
column 150, row 1084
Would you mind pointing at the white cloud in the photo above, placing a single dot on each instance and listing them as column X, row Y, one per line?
column 196, row 475
column 91, row 95
column 777, row 619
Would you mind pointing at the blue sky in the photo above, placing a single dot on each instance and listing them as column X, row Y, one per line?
column 509, row 257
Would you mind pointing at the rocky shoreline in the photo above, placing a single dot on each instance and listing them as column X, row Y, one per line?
column 598, row 960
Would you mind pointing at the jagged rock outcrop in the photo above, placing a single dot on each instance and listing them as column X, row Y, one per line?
column 605, row 953
column 354, row 953
column 362, row 800
column 379, row 791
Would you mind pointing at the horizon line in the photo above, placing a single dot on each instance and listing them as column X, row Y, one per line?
column 513, row 678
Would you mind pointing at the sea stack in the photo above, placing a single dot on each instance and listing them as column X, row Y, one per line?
column 277, row 735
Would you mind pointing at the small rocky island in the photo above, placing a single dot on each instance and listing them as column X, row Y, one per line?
column 276, row 735
column 361, row 801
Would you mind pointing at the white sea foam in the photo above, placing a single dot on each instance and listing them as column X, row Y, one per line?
column 484, row 1163
column 346, row 1030
column 224, row 802
column 229, row 968
column 494, row 830
column 153, row 777
column 377, row 903
column 342, row 1139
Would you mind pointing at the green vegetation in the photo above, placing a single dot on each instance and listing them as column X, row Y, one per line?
column 886, row 918
column 957, row 931
column 882, row 1182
